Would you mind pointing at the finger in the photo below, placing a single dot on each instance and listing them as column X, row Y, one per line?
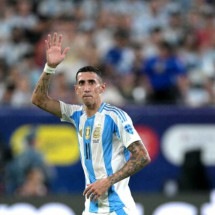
column 48, row 41
column 46, row 45
column 54, row 41
column 87, row 187
column 94, row 197
column 59, row 41
column 65, row 51
column 89, row 194
column 86, row 191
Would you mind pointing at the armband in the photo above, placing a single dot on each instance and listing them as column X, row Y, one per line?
column 48, row 69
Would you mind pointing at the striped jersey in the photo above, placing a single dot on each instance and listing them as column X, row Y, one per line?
column 103, row 141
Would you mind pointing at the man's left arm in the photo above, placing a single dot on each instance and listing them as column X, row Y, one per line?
column 138, row 160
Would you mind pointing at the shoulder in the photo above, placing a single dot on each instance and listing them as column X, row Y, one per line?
column 71, row 110
column 149, row 62
column 72, row 107
column 178, row 63
column 115, row 112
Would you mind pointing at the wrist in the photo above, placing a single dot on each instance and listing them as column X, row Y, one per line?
column 49, row 69
column 111, row 180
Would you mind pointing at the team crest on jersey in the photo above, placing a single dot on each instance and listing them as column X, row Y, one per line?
column 87, row 133
column 97, row 132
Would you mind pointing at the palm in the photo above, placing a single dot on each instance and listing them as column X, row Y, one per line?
column 54, row 55
column 54, row 52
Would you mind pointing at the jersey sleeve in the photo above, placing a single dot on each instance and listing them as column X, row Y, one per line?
column 69, row 113
column 128, row 133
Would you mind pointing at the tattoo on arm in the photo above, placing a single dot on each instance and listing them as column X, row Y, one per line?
column 41, row 98
column 43, row 85
column 41, row 90
column 138, row 160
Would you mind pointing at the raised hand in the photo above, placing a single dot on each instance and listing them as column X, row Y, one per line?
column 55, row 54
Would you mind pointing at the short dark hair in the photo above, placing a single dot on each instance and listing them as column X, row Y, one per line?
column 89, row 69
column 170, row 47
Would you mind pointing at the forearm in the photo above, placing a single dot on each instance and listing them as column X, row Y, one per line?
column 40, row 93
column 136, row 163
column 41, row 98
column 138, row 160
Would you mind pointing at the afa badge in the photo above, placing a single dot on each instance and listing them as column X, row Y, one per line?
column 97, row 132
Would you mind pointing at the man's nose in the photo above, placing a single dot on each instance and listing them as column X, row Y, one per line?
column 86, row 87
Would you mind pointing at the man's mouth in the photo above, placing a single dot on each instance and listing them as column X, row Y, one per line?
column 87, row 96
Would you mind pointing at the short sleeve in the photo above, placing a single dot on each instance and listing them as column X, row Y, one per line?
column 69, row 112
column 128, row 132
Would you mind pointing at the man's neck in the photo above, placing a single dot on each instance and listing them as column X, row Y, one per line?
column 92, row 109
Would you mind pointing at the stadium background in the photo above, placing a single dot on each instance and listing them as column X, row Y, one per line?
column 169, row 131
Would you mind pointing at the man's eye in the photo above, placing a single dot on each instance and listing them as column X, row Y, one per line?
column 91, row 82
column 81, row 83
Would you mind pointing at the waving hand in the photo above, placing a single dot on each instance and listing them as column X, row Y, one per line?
column 55, row 54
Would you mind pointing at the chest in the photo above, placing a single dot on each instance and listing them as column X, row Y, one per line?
column 95, row 133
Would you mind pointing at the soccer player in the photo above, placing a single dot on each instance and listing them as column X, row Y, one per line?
column 111, row 150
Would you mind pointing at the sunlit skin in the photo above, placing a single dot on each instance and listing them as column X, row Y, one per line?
column 89, row 88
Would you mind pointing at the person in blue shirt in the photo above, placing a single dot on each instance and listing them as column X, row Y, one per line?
column 164, row 76
column 119, row 57
column 111, row 149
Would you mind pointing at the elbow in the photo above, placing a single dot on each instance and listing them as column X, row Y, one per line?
column 35, row 100
column 148, row 159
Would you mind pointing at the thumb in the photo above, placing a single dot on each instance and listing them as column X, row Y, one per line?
column 65, row 51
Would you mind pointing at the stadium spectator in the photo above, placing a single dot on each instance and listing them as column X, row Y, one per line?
column 16, row 170
column 34, row 183
column 164, row 76
column 89, row 29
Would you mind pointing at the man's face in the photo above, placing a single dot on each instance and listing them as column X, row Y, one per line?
column 89, row 87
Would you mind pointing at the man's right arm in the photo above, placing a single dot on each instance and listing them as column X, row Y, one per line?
column 55, row 54
column 41, row 98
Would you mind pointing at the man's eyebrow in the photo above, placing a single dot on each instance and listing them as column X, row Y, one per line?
column 81, row 81
column 91, row 80
column 88, row 80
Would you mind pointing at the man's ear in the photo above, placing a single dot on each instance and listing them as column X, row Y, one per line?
column 102, row 88
column 76, row 89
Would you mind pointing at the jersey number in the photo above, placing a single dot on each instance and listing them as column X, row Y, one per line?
column 87, row 151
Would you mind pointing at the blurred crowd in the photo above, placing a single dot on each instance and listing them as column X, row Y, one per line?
column 150, row 51
column 25, row 173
